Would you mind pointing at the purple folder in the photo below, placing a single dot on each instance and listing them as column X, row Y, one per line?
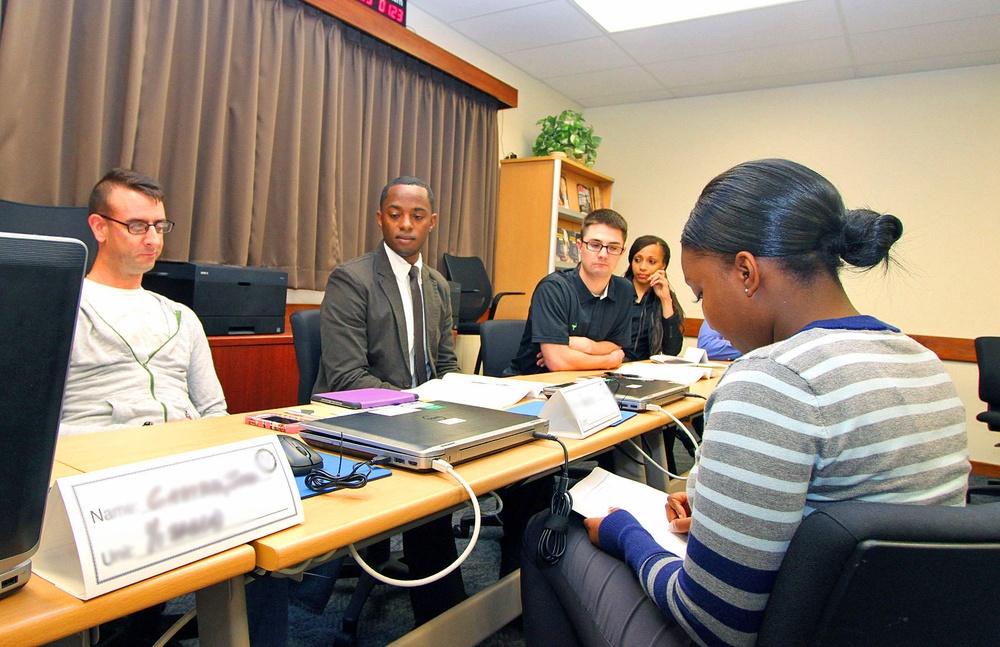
column 364, row 398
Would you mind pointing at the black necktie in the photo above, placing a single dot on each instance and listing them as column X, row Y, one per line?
column 419, row 354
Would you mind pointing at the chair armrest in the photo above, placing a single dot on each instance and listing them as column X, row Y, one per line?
column 991, row 418
column 496, row 302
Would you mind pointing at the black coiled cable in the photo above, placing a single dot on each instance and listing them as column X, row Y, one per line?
column 552, row 541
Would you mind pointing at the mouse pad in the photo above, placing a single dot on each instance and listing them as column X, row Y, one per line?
column 330, row 464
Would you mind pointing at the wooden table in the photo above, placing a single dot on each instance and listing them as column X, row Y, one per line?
column 332, row 521
column 42, row 613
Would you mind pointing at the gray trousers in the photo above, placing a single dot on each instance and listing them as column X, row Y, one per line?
column 588, row 598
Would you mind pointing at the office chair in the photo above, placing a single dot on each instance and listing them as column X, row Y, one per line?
column 499, row 340
column 477, row 294
column 861, row 573
column 306, row 340
column 988, row 360
column 308, row 351
column 69, row 222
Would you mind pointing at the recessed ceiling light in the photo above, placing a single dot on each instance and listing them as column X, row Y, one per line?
column 620, row 15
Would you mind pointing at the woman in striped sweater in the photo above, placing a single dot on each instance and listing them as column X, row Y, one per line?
column 825, row 405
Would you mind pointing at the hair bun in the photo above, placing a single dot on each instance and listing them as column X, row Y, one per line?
column 866, row 237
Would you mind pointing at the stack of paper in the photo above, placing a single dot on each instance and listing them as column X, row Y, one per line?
column 601, row 490
column 478, row 390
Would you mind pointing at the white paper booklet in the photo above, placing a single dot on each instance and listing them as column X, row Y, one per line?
column 680, row 373
column 601, row 490
column 478, row 390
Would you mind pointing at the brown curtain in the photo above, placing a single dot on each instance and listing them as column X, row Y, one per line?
column 271, row 126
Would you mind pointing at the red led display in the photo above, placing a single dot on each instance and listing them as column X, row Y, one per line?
column 391, row 9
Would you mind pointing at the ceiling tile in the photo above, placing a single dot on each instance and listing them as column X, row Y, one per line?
column 733, row 32
column 928, row 41
column 929, row 64
column 625, row 98
column 865, row 15
column 762, row 82
column 599, row 83
column 576, row 56
column 765, row 62
column 537, row 25
column 448, row 11
column 798, row 43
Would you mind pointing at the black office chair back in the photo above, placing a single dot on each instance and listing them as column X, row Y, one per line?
column 499, row 341
column 306, row 339
column 988, row 359
column 859, row 573
column 455, row 288
column 477, row 290
column 69, row 222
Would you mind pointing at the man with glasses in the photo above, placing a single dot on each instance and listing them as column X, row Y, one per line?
column 138, row 357
column 579, row 318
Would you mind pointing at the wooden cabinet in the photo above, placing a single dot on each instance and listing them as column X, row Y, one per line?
column 530, row 217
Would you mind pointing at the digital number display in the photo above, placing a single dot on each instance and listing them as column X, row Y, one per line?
column 392, row 9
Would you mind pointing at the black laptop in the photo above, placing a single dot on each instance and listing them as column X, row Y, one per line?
column 413, row 435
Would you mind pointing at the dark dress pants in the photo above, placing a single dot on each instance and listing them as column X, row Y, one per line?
column 588, row 598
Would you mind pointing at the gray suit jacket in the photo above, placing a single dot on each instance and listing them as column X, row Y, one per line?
column 364, row 331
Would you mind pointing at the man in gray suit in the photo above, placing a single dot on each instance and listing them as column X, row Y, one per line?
column 387, row 322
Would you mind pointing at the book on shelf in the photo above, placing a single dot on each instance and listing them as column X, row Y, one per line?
column 562, row 253
column 574, row 251
column 596, row 200
column 563, row 192
column 583, row 193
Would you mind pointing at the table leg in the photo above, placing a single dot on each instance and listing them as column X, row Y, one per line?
column 222, row 615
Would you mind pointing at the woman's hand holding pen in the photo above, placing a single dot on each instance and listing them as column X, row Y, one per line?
column 679, row 512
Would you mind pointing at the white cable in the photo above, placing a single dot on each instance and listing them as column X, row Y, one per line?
column 174, row 628
column 659, row 409
column 441, row 466
column 650, row 460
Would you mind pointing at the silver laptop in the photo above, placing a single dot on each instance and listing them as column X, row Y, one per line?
column 636, row 394
column 413, row 435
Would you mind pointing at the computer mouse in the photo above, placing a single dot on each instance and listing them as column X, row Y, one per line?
column 301, row 456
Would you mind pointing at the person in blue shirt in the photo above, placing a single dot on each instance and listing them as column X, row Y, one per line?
column 717, row 346
column 657, row 316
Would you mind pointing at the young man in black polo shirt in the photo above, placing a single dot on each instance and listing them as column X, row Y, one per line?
column 580, row 318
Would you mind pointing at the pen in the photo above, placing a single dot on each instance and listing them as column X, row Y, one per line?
column 627, row 376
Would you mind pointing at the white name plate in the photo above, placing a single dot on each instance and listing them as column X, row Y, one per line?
column 107, row 529
column 580, row 409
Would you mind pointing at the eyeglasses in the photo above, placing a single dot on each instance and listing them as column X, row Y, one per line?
column 138, row 227
column 596, row 246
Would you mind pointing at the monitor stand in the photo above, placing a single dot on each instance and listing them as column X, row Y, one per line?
column 15, row 578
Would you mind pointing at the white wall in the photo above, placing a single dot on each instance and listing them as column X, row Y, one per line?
column 925, row 147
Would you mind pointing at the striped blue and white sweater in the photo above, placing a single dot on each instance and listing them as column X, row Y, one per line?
column 843, row 410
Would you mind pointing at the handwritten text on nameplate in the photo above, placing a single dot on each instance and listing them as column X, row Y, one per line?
column 157, row 512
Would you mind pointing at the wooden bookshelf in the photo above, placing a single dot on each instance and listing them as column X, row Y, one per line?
column 529, row 218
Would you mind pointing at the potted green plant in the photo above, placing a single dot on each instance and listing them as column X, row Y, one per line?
column 567, row 133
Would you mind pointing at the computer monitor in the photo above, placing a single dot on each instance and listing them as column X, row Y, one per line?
column 70, row 222
column 40, row 281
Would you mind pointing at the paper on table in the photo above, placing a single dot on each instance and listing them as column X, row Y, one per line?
column 477, row 390
column 601, row 490
column 682, row 374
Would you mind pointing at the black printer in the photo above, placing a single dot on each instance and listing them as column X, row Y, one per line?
column 229, row 300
